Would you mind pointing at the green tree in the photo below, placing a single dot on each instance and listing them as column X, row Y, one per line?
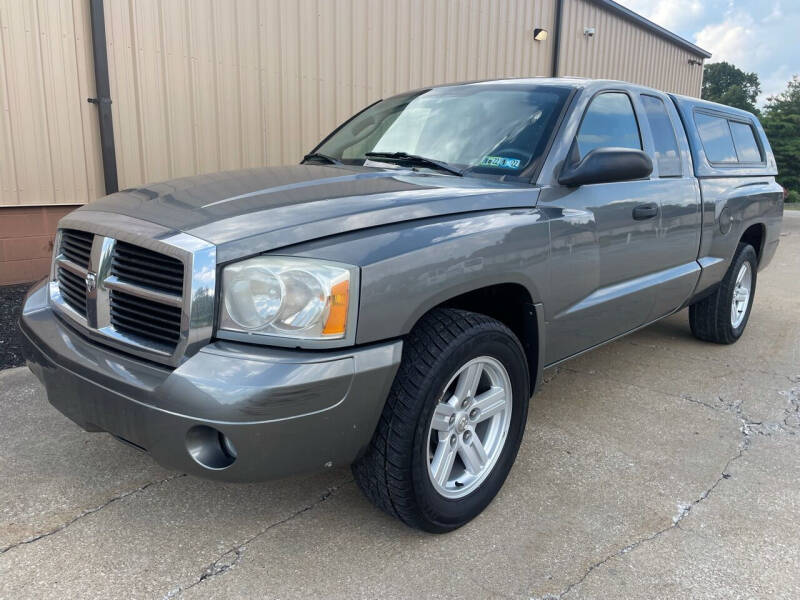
column 728, row 84
column 781, row 123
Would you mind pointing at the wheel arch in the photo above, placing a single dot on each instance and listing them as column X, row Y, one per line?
column 755, row 235
column 512, row 304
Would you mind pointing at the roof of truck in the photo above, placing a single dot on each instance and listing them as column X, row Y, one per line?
column 707, row 104
column 687, row 108
column 575, row 82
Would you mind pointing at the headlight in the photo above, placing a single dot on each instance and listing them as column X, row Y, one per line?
column 285, row 297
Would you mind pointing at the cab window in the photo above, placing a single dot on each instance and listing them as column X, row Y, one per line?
column 716, row 137
column 609, row 122
column 666, row 156
column 746, row 146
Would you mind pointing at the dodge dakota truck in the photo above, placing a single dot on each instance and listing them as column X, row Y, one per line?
column 390, row 303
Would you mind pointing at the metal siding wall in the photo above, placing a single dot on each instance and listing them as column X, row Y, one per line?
column 204, row 85
column 623, row 50
column 48, row 132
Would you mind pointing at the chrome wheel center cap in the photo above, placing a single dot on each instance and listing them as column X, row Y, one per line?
column 461, row 424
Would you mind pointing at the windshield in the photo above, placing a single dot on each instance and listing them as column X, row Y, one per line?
column 500, row 129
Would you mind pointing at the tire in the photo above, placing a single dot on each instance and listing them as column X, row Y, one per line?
column 396, row 474
column 714, row 318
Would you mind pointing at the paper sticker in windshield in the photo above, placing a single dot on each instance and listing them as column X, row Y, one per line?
column 500, row 162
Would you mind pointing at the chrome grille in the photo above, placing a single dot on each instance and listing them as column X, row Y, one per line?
column 133, row 285
column 76, row 246
column 145, row 319
column 73, row 290
column 141, row 266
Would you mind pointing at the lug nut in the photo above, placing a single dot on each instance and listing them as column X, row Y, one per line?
column 467, row 435
column 465, row 403
column 452, row 419
column 474, row 414
column 453, row 440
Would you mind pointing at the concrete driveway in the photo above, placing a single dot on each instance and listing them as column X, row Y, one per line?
column 657, row 466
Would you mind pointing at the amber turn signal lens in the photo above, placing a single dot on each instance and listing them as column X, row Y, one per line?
column 337, row 318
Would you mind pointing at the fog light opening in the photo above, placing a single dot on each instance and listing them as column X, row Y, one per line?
column 210, row 448
column 227, row 446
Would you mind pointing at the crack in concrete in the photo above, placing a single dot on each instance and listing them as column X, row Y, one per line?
column 87, row 512
column 724, row 406
column 748, row 427
column 683, row 511
column 638, row 386
column 792, row 419
column 790, row 424
column 231, row 557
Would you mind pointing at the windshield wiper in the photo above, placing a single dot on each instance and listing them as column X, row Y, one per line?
column 320, row 156
column 415, row 159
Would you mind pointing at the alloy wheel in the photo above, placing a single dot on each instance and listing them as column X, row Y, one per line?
column 741, row 294
column 469, row 427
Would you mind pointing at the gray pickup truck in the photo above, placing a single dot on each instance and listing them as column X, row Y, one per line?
column 390, row 303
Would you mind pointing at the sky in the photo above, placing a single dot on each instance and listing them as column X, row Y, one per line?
column 755, row 35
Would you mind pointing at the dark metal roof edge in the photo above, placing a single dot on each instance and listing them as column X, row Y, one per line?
column 647, row 24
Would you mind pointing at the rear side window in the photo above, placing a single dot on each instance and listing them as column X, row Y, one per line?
column 666, row 146
column 609, row 121
column 745, row 140
column 716, row 137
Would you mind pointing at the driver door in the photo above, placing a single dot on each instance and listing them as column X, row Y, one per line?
column 604, row 240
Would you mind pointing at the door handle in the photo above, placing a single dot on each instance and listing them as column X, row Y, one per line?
column 645, row 211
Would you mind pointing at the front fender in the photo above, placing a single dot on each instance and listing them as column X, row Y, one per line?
column 409, row 268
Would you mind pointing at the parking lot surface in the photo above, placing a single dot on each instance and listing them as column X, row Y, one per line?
column 656, row 466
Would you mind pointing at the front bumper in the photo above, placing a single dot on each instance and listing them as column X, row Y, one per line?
column 285, row 411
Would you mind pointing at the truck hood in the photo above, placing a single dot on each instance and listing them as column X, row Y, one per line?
column 256, row 210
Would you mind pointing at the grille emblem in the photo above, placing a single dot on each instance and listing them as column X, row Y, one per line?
column 91, row 282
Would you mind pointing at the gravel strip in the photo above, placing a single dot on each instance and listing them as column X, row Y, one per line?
column 11, row 297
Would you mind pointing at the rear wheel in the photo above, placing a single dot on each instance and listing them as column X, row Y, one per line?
column 452, row 424
column 722, row 316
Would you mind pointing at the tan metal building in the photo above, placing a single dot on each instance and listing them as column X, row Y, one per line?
column 207, row 85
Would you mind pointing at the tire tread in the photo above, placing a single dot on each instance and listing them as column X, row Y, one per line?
column 709, row 318
column 384, row 472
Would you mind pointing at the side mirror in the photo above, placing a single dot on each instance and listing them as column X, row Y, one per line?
column 605, row 165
